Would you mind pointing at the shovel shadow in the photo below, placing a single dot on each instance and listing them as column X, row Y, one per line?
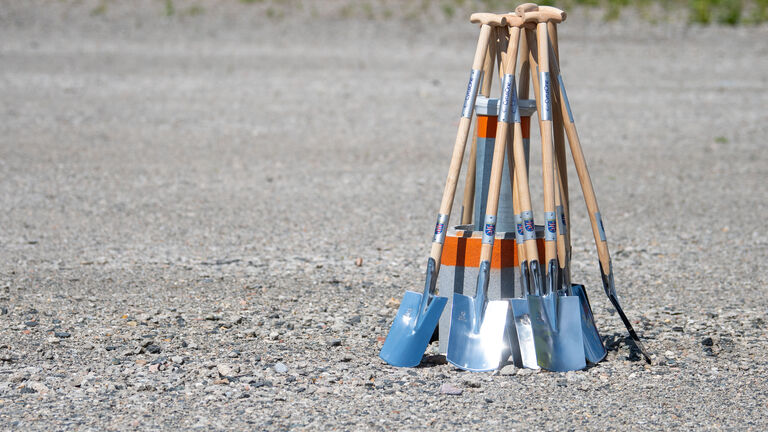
column 615, row 341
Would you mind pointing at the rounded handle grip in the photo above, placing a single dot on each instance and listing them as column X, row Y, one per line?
column 514, row 20
column 490, row 19
column 526, row 7
column 542, row 14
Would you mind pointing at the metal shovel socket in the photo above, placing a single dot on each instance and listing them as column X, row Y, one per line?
column 414, row 323
column 557, row 328
column 610, row 291
column 476, row 341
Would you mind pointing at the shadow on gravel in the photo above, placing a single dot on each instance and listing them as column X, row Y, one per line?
column 616, row 340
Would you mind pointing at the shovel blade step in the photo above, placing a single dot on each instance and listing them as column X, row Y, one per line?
column 410, row 333
column 557, row 332
column 482, row 350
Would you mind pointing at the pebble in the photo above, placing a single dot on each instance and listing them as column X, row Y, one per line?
column 334, row 342
column 153, row 349
column 62, row 335
column 450, row 389
column 281, row 368
column 507, row 370
column 177, row 359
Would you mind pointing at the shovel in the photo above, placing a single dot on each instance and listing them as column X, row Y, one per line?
column 476, row 341
column 598, row 230
column 555, row 318
column 521, row 340
column 594, row 349
column 419, row 314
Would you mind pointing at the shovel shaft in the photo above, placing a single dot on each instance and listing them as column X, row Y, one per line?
column 508, row 111
column 459, row 145
column 545, row 113
column 468, row 204
column 580, row 163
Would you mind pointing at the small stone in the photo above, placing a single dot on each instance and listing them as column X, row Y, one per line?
column 153, row 349
column 471, row 383
column 177, row 359
column 234, row 354
column 334, row 342
column 354, row 319
column 62, row 335
column 507, row 370
column 274, row 335
column 669, row 354
column 31, row 323
column 707, row 341
column 525, row 372
column 53, row 340
column 393, row 303
column 38, row 387
column 227, row 370
column 154, row 367
column 115, row 361
column 359, row 261
column 281, row 368
column 450, row 389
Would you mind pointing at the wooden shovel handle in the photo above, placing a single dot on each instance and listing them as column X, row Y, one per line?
column 487, row 18
column 585, row 180
column 468, row 203
column 541, row 15
column 458, row 155
column 508, row 60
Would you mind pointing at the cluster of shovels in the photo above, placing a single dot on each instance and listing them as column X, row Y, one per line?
column 551, row 326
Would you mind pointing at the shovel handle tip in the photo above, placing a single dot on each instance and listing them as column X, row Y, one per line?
column 487, row 18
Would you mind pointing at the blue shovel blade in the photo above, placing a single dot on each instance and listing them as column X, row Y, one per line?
column 410, row 333
column 557, row 332
column 477, row 350
column 593, row 344
column 525, row 352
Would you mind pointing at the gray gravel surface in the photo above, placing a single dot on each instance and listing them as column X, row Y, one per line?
column 208, row 220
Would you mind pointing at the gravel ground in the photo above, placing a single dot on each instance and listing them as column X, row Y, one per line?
column 185, row 202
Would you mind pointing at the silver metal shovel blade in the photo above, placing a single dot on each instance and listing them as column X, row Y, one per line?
column 594, row 349
column 414, row 323
column 523, row 349
column 557, row 332
column 410, row 333
column 477, row 350
column 477, row 339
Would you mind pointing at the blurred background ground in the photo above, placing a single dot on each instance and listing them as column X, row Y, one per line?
column 186, row 187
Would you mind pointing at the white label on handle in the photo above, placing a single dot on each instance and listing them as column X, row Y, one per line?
column 440, row 228
column 550, row 226
column 530, row 228
column 489, row 229
column 475, row 76
column 545, row 86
